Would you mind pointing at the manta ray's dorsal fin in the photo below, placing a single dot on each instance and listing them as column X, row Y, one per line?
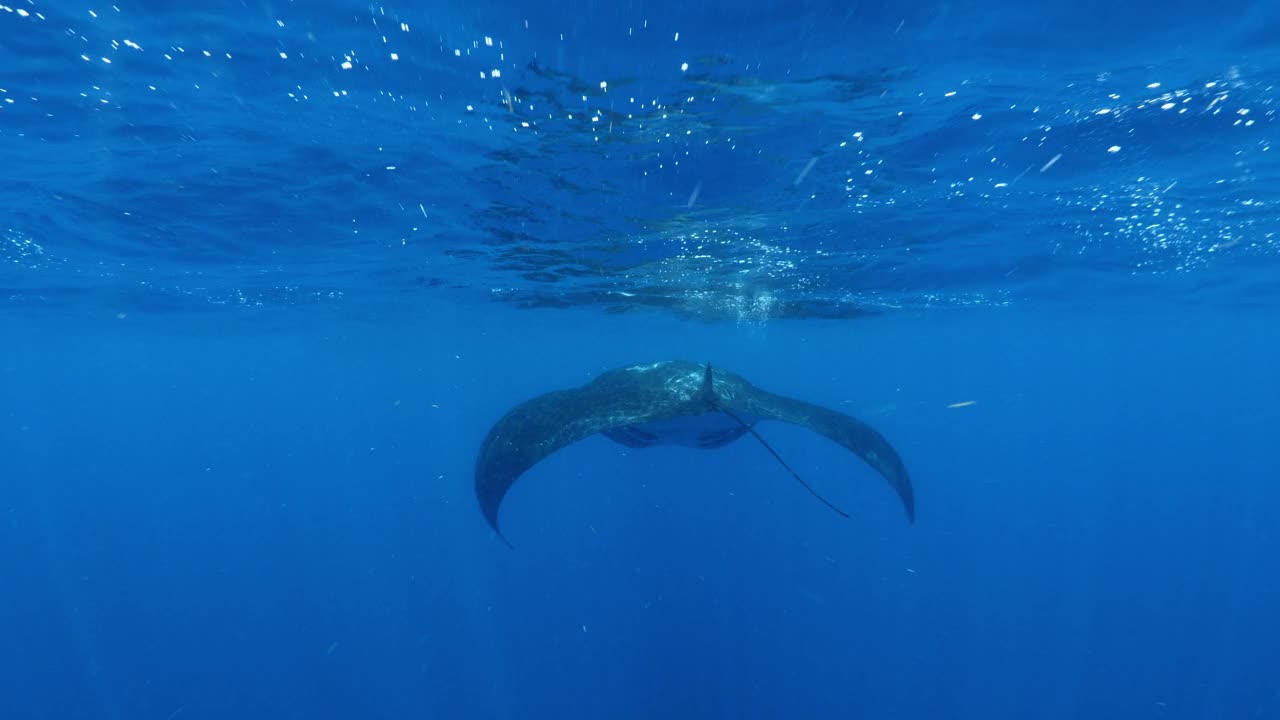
column 775, row 454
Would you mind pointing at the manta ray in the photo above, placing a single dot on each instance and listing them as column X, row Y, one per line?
column 673, row 402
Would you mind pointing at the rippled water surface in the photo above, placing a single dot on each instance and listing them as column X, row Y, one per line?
column 729, row 161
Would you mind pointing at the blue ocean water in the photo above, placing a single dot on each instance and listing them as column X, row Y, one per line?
column 269, row 271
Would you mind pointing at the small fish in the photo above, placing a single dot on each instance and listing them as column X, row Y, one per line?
column 966, row 403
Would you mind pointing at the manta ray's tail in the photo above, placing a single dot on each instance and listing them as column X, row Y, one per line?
column 709, row 391
column 784, row 464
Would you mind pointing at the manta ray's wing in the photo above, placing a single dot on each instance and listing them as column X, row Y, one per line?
column 855, row 435
column 534, row 429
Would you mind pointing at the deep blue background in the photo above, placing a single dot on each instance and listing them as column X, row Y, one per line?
column 250, row 525
column 245, row 367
